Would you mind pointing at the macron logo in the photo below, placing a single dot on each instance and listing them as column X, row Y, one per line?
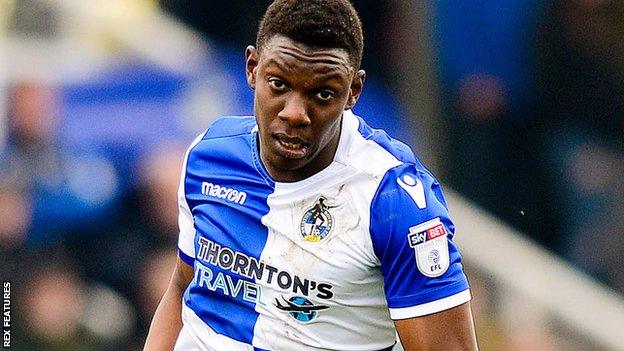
column 222, row 192
column 415, row 188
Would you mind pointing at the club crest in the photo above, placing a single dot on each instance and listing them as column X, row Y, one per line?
column 430, row 247
column 317, row 221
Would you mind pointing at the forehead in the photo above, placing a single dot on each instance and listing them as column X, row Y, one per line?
column 293, row 57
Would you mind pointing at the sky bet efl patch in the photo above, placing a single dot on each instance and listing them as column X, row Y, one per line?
column 430, row 247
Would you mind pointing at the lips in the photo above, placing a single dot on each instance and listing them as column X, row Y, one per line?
column 291, row 147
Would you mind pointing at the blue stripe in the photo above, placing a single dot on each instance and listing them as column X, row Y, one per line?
column 186, row 258
column 222, row 298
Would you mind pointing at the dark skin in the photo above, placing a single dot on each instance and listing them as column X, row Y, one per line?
column 167, row 321
column 300, row 95
column 450, row 330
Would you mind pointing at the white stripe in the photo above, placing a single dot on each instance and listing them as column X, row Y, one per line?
column 204, row 337
column 431, row 307
column 186, row 341
column 186, row 240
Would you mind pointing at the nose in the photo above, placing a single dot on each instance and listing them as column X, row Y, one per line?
column 295, row 111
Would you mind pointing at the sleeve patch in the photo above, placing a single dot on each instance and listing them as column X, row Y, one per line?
column 430, row 246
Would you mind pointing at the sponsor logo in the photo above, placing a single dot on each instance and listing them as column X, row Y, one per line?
column 221, row 192
column 300, row 308
column 228, row 272
column 430, row 247
column 418, row 236
column 317, row 221
column 414, row 187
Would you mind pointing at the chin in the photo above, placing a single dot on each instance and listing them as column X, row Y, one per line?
column 288, row 164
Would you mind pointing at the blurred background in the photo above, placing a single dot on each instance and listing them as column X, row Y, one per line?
column 516, row 105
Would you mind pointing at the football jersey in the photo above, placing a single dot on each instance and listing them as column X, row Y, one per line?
column 325, row 263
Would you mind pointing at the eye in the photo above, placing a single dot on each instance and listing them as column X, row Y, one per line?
column 324, row 95
column 277, row 84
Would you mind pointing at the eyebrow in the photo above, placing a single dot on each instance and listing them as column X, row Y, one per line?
column 331, row 72
column 326, row 81
column 276, row 63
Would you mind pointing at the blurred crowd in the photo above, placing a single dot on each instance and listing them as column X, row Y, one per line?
column 534, row 94
column 85, row 258
column 533, row 98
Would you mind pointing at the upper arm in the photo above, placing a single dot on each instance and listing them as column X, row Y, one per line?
column 449, row 330
column 182, row 275
column 412, row 236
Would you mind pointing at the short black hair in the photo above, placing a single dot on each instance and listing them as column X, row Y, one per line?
column 319, row 23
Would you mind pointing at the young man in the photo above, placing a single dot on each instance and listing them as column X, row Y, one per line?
column 303, row 228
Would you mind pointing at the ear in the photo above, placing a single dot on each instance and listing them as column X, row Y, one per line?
column 356, row 89
column 251, row 63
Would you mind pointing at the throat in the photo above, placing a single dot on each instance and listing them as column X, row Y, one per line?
column 285, row 170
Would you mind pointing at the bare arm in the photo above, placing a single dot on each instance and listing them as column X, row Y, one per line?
column 450, row 330
column 167, row 320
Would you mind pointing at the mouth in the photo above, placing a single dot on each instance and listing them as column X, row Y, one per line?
column 291, row 147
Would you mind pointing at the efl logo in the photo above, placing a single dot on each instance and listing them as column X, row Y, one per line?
column 431, row 248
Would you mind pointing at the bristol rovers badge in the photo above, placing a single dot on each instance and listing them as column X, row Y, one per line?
column 317, row 221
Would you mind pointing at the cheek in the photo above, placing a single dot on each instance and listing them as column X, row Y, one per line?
column 326, row 131
column 266, row 109
column 267, row 106
column 264, row 97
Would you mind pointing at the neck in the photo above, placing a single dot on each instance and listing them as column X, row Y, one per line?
column 322, row 160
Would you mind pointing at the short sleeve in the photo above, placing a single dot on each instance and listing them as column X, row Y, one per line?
column 186, row 239
column 412, row 237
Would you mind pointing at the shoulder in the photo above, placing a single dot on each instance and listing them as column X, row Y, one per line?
column 394, row 147
column 223, row 134
column 410, row 185
column 401, row 181
column 373, row 152
column 230, row 126
column 396, row 180
column 225, row 145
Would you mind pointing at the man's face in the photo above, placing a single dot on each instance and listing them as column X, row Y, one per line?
column 300, row 95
